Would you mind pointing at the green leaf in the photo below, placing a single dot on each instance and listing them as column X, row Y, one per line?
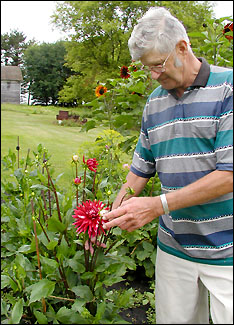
column 112, row 280
column 88, row 126
column 87, row 275
column 41, row 289
column 127, row 120
column 25, row 249
column 5, row 281
column 58, row 177
column 55, row 225
column 78, row 305
column 101, row 307
column 76, row 266
column 63, row 249
column 38, row 187
column 83, row 291
column 4, row 307
column 141, row 254
column 69, row 316
column 41, row 318
column 18, row 174
column 17, row 312
column 195, row 34
column 51, row 245
column 139, row 87
column 149, row 268
column 49, row 264
column 124, row 298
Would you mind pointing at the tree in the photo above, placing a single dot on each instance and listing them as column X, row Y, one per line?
column 99, row 32
column 13, row 46
column 45, row 71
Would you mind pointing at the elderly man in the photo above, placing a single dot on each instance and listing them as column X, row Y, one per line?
column 186, row 137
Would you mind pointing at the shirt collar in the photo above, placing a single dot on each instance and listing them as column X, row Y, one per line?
column 201, row 78
column 203, row 74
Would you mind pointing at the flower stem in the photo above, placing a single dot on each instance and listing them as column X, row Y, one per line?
column 84, row 199
column 96, row 250
column 55, row 193
column 38, row 256
column 121, row 201
column 152, row 188
column 94, row 177
column 76, row 186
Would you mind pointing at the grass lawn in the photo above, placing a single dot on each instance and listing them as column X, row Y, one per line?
column 36, row 124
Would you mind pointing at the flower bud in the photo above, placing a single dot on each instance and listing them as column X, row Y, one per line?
column 126, row 166
column 77, row 181
column 75, row 158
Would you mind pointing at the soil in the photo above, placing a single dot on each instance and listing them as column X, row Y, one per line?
column 135, row 315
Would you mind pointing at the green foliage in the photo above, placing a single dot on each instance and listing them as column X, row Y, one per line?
column 98, row 38
column 13, row 46
column 218, row 49
column 112, row 171
column 45, row 71
column 120, row 107
column 44, row 274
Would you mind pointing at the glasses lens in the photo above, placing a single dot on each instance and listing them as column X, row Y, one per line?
column 157, row 69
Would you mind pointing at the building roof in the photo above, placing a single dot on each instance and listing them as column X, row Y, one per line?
column 11, row 72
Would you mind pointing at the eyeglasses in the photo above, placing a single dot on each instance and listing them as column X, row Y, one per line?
column 157, row 68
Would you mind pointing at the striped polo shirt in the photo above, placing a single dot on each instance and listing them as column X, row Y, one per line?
column 184, row 139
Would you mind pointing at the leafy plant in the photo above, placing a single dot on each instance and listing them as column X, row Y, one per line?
column 49, row 275
column 44, row 271
column 120, row 101
column 217, row 41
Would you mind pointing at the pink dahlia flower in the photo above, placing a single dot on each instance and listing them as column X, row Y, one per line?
column 88, row 216
column 77, row 181
column 91, row 164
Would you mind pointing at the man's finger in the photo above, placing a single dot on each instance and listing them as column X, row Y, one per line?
column 116, row 213
column 113, row 223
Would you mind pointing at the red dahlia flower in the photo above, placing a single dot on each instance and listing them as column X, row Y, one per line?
column 124, row 72
column 91, row 164
column 88, row 216
column 228, row 28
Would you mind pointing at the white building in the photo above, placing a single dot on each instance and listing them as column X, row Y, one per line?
column 11, row 78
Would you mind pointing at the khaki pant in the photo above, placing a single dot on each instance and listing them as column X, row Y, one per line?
column 181, row 291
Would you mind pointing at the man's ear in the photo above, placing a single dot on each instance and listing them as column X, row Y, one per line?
column 182, row 48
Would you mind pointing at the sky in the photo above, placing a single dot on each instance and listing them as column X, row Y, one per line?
column 33, row 18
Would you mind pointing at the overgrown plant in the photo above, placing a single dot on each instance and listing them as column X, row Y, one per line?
column 120, row 101
column 49, row 275
column 114, row 166
column 217, row 41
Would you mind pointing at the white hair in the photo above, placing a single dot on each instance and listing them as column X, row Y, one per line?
column 156, row 30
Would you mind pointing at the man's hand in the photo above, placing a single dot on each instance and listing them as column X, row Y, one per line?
column 134, row 213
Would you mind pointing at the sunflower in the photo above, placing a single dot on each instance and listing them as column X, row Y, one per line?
column 88, row 218
column 100, row 90
column 124, row 72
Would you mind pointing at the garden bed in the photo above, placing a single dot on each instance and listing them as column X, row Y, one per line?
column 142, row 311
